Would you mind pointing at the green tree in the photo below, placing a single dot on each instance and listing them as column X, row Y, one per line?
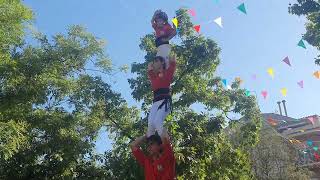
column 13, row 17
column 51, row 105
column 202, row 146
column 275, row 157
column 311, row 9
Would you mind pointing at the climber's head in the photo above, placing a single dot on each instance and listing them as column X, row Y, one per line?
column 161, row 19
column 159, row 64
column 154, row 145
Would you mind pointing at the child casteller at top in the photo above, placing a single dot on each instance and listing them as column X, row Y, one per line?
column 164, row 33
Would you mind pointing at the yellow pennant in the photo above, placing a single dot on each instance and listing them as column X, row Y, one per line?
column 270, row 72
column 175, row 22
column 284, row 91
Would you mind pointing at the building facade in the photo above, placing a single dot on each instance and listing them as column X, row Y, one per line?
column 303, row 133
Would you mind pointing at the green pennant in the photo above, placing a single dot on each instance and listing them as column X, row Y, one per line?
column 301, row 44
column 247, row 93
column 242, row 8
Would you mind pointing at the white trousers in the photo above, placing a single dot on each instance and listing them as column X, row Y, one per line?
column 157, row 117
column 164, row 51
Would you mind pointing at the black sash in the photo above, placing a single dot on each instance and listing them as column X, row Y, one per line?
column 163, row 93
column 159, row 42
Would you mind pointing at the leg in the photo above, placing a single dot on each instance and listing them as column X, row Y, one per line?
column 151, row 117
column 160, row 117
column 164, row 51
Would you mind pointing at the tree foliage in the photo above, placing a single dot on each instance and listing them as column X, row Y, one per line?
column 51, row 106
column 276, row 158
column 311, row 9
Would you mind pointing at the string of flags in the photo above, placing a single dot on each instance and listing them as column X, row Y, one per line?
column 219, row 21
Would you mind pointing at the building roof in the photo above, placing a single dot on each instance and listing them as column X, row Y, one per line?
column 282, row 120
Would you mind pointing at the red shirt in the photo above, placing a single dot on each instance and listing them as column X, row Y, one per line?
column 159, row 169
column 164, row 81
column 164, row 31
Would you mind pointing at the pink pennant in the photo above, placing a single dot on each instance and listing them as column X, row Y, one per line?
column 300, row 83
column 287, row 61
column 192, row 12
column 264, row 94
column 311, row 119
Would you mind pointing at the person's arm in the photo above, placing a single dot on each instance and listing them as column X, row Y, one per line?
column 136, row 143
column 136, row 151
column 165, row 137
column 173, row 32
column 172, row 66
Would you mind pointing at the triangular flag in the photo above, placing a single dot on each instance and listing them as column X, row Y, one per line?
column 272, row 121
column 224, row 82
column 315, row 148
column 317, row 74
column 215, row 1
column 192, row 12
column 197, row 28
column 264, row 94
column 238, row 79
column 311, row 119
column 301, row 44
column 309, row 142
column 316, row 156
column 175, row 22
column 242, row 8
column 300, row 83
column 178, row 32
column 270, row 72
column 284, row 92
column 218, row 21
column 287, row 61
column 247, row 93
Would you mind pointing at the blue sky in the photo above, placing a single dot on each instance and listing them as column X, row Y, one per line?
column 250, row 43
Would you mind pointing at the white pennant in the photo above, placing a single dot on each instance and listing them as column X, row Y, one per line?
column 218, row 21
